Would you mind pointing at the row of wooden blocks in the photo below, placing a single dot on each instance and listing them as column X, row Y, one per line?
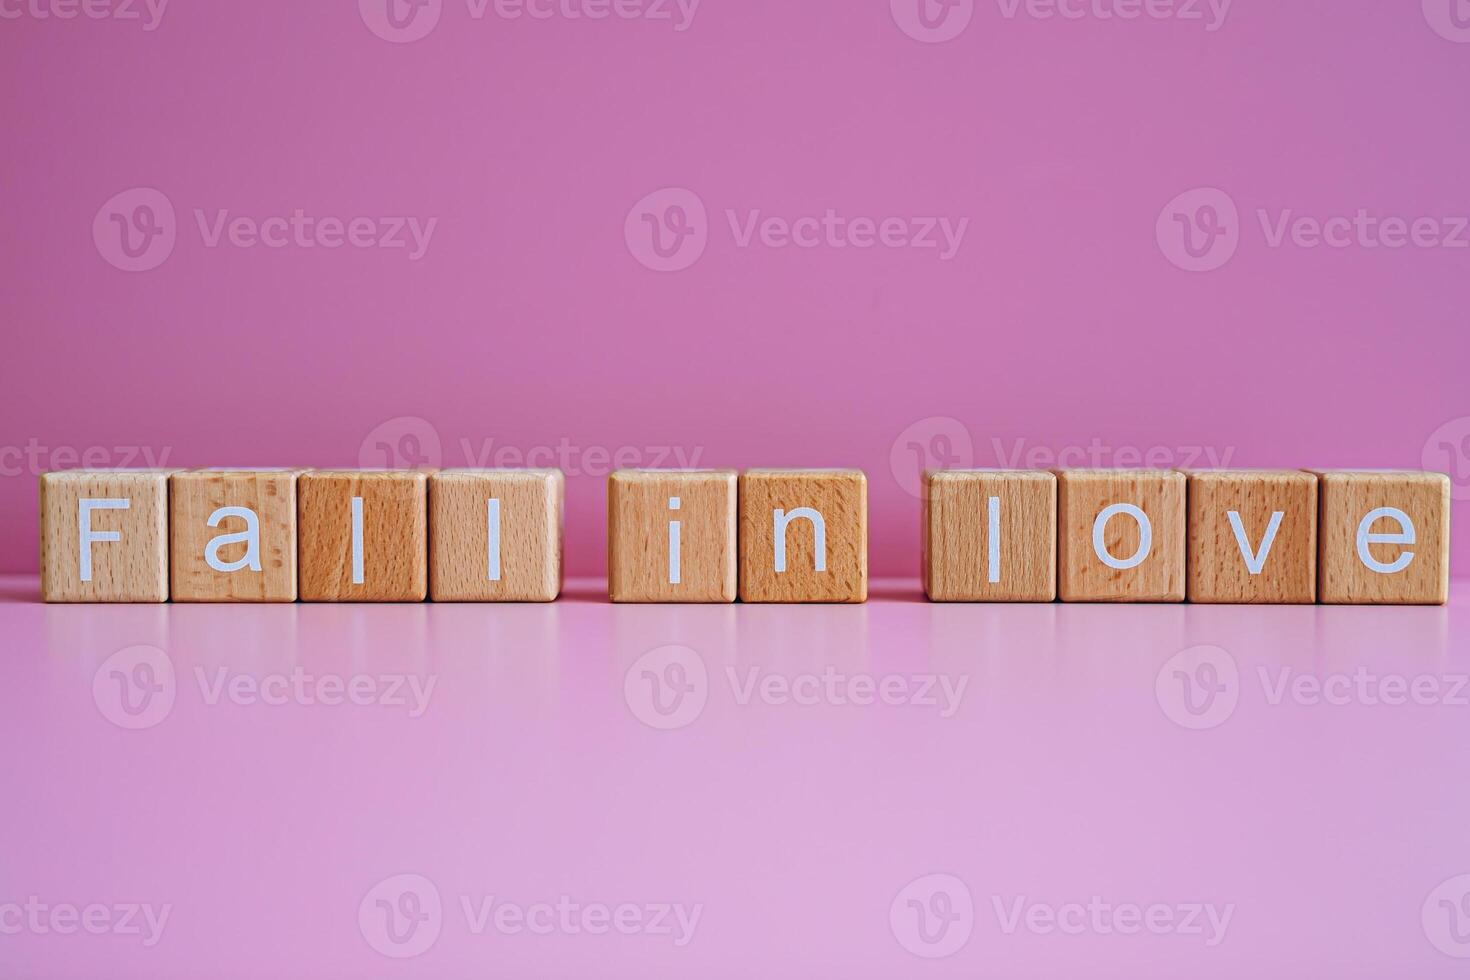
column 1284, row 536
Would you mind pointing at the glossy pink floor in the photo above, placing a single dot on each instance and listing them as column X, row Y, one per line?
column 578, row 789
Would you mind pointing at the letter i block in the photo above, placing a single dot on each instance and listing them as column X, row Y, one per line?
column 232, row 535
column 671, row 535
column 803, row 536
column 1121, row 535
column 363, row 535
column 495, row 535
column 1384, row 538
column 1252, row 536
column 990, row 536
column 104, row 536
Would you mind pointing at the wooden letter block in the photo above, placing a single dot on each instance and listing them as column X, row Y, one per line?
column 232, row 535
column 803, row 536
column 1121, row 535
column 1384, row 538
column 671, row 535
column 495, row 535
column 104, row 536
column 1252, row 536
column 363, row 535
column 990, row 536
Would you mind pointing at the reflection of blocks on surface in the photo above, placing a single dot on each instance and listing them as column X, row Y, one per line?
column 990, row 535
column 1384, row 537
column 671, row 535
column 232, row 535
column 104, row 536
column 495, row 535
column 803, row 536
column 1252, row 536
column 363, row 535
column 1121, row 535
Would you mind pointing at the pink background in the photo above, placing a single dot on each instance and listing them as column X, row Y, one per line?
column 529, row 321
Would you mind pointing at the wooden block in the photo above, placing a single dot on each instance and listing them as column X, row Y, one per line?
column 990, row 535
column 1103, row 554
column 104, row 536
column 803, row 536
column 363, row 535
column 1383, row 537
column 495, row 535
column 232, row 535
column 671, row 535
column 1252, row 536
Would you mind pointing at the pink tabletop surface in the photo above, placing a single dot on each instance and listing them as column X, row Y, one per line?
column 579, row 789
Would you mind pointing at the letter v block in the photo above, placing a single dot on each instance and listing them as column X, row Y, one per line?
column 232, row 535
column 104, row 536
column 1384, row 538
column 1121, row 535
column 495, row 535
column 1252, row 536
column 363, row 535
column 803, row 536
column 990, row 536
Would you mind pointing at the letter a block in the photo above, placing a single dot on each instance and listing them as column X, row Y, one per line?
column 803, row 536
column 671, row 536
column 990, row 536
column 232, row 535
column 1121, row 535
column 1384, row 538
column 104, row 536
column 495, row 535
column 363, row 535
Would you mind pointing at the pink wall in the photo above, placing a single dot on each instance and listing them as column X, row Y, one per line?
column 531, row 319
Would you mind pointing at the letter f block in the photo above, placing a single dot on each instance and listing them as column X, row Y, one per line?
column 104, row 536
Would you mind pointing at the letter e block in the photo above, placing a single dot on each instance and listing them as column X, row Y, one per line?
column 232, row 535
column 1121, row 535
column 1252, row 536
column 671, row 535
column 803, row 536
column 990, row 535
column 363, row 535
column 495, row 535
column 1384, row 538
column 104, row 536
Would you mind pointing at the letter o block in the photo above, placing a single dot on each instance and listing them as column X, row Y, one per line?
column 233, row 535
column 1384, row 538
column 1121, row 535
column 104, row 536
column 803, row 536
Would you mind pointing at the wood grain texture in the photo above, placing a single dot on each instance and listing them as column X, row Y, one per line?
column 194, row 495
column 395, row 541
column 638, row 535
column 530, row 507
column 1345, row 499
column 841, row 498
column 132, row 569
column 956, row 535
column 1219, row 571
column 1081, row 497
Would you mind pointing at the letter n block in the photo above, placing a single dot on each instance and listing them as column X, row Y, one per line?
column 104, row 536
column 1252, row 536
column 495, row 535
column 990, row 535
column 363, row 535
column 671, row 535
column 1121, row 535
column 232, row 535
column 1384, row 538
column 803, row 536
